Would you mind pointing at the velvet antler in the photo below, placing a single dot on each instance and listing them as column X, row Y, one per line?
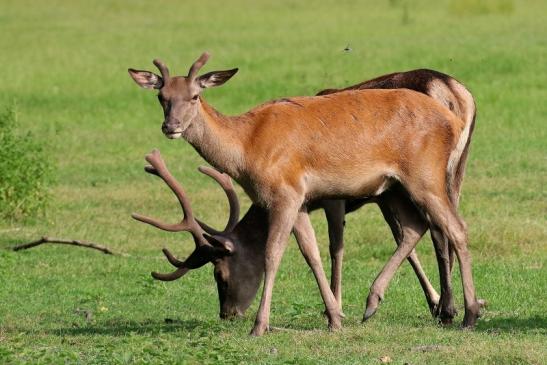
column 196, row 66
column 163, row 69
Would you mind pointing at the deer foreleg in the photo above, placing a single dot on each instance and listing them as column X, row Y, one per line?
column 335, row 213
column 281, row 221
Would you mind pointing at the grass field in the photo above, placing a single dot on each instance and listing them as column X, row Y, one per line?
column 64, row 65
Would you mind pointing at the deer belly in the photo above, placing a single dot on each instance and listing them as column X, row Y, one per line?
column 348, row 186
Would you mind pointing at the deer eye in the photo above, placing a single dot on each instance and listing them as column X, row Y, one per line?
column 195, row 97
column 219, row 276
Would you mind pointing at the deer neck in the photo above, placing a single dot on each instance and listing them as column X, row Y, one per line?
column 218, row 139
column 252, row 231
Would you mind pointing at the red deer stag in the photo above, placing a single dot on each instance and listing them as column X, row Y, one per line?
column 350, row 144
column 237, row 252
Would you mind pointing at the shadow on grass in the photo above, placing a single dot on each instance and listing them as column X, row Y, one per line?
column 151, row 327
column 513, row 324
column 124, row 327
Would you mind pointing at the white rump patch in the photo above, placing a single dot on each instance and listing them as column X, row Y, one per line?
column 468, row 111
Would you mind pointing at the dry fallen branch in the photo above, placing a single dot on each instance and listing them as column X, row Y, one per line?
column 45, row 239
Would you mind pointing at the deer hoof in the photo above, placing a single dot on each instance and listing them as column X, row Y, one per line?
column 469, row 323
column 445, row 321
column 373, row 301
column 471, row 316
column 433, row 306
column 445, row 311
column 258, row 330
column 335, row 325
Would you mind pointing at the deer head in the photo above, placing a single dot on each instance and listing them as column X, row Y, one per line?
column 179, row 95
column 237, row 252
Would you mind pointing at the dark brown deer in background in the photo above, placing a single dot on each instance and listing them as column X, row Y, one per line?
column 370, row 141
column 237, row 252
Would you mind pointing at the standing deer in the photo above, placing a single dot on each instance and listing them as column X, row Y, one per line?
column 282, row 154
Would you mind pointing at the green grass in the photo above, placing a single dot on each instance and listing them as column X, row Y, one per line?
column 64, row 63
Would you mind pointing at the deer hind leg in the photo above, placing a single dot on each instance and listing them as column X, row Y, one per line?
column 443, row 217
column 431, row 295
column 482, row 302
column 305, row 236
column 445, row 310
column 335, row 212
column 401, row 213
column 407, row 227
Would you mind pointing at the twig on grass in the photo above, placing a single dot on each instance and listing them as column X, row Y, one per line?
column 61, row 241
column 287, row 329
column 10, row 230
column 282, row 329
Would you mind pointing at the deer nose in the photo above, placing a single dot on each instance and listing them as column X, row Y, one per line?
column 171, row 126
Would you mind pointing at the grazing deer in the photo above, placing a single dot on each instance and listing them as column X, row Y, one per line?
column 237, row 252
column 350, row 144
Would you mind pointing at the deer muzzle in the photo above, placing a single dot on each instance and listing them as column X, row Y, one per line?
column 172, row 128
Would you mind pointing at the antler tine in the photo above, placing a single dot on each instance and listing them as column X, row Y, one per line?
column 226, row 183
column 198, row 258
column 156, row 223
column 163, row 69
column 157, row 162
column 171, row 276
column 204, row 251
column 172, row 259
column 196, row 66
column 188, row 223
column 181, row 268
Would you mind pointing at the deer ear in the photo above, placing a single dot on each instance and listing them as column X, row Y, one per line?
column 222, row 245
column 146, row 79
column 215, row 78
